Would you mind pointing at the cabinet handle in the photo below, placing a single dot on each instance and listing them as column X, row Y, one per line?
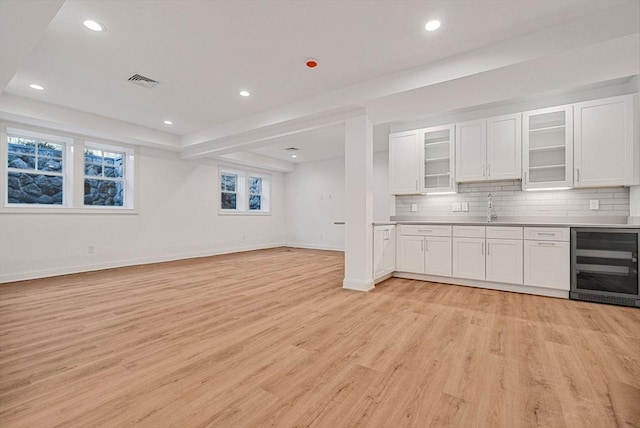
column 427, row 245
column 546, row 244
column 546, row 233
column 578, row 171
column 488, row 249
column 489, row 170
column 483, row 171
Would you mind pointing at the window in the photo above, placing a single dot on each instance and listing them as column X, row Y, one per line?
column 255, row 193
column 35, row 171
column 243, row 192
column 228, row 185
column 104, row 182
column 48, row 173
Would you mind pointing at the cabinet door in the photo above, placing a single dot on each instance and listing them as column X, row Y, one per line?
column 390, row 251
column 547, row 264
column 404, row 163
column 604, row 142
column 504, row 260
column 411, row 253
column 547, row 144
column 438, row 149
column 504, row 147
column 471, row 139
column 468, row 258
column 378, row 251
column 438, row 256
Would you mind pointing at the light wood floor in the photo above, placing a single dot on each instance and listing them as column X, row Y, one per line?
column 269, row 338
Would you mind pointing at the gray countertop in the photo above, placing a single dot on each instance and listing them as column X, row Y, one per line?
column 605, row 222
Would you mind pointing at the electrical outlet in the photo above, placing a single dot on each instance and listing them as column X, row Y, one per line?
column 414, row 208
column 465, row 207
column 594, row 204
column 91, row 249
column 456, row 207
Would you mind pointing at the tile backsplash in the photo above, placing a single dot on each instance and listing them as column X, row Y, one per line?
column 509, row 200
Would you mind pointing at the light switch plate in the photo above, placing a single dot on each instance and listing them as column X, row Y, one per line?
column 414, row 208
column 456, row 207
column 594, row 204
column 465, row 207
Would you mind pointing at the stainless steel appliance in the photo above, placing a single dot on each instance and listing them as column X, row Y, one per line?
column 604, row 265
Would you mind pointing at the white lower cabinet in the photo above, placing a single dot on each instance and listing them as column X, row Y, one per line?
column 425, row 249
column 384, row 250
column 468, row 258
column 507, row 256
column 437, row 256
column 410, row 253
column 422, row 254
column 504, row 260
column 547, row 264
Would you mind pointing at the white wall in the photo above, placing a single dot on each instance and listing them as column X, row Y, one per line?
column 314, row 200
column 314, row 195
column 177, row 218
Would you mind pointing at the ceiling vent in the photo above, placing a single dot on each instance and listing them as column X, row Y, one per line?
column 143, row 81
column 292, row 149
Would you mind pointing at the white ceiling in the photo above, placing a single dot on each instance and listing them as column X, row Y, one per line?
column 204, row 52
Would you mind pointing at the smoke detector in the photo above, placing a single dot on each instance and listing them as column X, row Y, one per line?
column 145, row 82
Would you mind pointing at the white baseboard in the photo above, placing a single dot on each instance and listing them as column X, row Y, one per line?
column 527, row 289
column 358, row 285
column 314, row 247
column 23, row 276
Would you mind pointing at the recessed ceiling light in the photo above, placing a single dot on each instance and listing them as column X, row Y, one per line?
column 244, row 93
column 93, row 25
column 432, row 25
column 36, row 87
column 168, row 122
column 294, row 156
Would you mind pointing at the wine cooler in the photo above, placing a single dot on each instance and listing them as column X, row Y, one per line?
column 604, row 265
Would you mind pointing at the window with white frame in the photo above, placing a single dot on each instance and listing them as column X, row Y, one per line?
column 36, row 170
column 104, row 177
column 244, row 192
column 62, row 172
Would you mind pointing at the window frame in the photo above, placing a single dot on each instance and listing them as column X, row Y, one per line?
column 73, row 170
column 65, row 173
column 243, row 191
column 126, row 179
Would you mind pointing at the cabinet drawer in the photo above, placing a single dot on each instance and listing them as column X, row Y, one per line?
column 426, row 230
column 547, row 233
column 503, row 232
column 468, row 231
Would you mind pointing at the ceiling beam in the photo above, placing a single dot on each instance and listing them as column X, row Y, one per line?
column 22, row 24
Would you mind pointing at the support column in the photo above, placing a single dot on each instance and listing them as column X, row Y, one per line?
column 358, row 248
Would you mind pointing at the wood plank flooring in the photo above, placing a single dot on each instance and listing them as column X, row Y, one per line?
column 270, row 339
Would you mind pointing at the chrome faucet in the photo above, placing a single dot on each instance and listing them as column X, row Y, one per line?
column 490, row 215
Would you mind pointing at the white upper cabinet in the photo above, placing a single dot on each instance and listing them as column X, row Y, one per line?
column 471, row 147
column 404, row 163
column 489, row 149
column 604, row 145
column 438, row 160
column 548, row 148
column 504, row 147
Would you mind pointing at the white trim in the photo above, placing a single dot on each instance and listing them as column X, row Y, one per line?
column 133, row 262
column 315, row 247
column 358, row 284
column 516, row 288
